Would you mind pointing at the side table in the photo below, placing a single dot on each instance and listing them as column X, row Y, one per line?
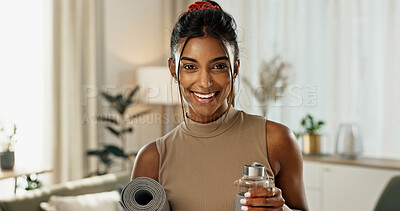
column 19, row 171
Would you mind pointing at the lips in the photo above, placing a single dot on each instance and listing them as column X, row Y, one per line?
column 204, row 97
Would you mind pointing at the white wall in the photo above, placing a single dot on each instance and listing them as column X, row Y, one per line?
column 136, row 33
column 133, row 36
column 344, row 64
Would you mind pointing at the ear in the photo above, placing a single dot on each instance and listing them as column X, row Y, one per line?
column 171, row 66
column 236, row 68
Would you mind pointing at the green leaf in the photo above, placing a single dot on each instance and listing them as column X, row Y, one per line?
column 102, row 154
column 32, row 183
column 311, row 122
column 310, row 117
column 127, row 130
column 107, row 161
column 116, row 151
column 15, row 129
column 120, row 98
column 133, row 92
column 117, row 102
column 94, row 152
column 111, row 99
column 107, row 119
column 297, row 134
column 311, row 126
column 138, row 115
column 113, row 131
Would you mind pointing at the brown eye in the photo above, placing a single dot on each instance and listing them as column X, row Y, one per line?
column 189, row 67
column 220, row 66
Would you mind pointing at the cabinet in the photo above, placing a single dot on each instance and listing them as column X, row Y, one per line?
column 335, row 186
column 312, row 181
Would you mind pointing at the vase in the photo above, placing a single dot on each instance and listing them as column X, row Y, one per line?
column 311, row 144
column 348, row 141
column 7, row 160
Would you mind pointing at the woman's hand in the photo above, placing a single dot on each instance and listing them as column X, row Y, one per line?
column 269, row 198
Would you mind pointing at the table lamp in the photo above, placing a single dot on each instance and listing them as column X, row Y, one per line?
column 157, row 88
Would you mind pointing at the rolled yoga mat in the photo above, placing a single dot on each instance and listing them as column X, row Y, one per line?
column 144, row 193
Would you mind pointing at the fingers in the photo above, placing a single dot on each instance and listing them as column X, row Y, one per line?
column 276, row 201
column 261, row 208
column 269, row 198
column 264, row 192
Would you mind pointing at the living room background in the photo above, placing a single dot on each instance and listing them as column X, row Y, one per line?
column 346, row 52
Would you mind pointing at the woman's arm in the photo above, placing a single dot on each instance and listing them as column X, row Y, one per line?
column 287, row 164
column 146, row 162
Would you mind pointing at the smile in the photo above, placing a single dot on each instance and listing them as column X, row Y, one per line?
column 204, row 96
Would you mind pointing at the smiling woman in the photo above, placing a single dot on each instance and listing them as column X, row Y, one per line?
column 207, row 151
column 205, row 78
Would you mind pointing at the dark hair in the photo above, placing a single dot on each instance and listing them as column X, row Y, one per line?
column 214, row 22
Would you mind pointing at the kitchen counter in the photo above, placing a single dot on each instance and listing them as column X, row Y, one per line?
column 382, row 163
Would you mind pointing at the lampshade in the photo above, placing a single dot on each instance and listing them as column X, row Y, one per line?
column 157, row 86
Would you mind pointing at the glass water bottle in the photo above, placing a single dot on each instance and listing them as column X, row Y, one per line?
column 254, row 176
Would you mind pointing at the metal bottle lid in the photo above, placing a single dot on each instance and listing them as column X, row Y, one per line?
column 254, row 170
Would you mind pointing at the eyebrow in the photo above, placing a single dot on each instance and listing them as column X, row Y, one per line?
column 213, row 60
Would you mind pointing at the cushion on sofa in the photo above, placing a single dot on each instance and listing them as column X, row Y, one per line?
column 104, row 201
column 32, row 199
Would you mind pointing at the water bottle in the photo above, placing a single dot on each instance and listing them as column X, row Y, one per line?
column 254, row 176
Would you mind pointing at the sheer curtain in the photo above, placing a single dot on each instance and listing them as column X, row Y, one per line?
column 345, row 58
column 22, row 84
column 75, row 56
column 22, row 78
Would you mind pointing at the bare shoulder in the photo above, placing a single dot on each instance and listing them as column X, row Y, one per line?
column 146, row 162
column 286, row 161
column 282, row 145
column 278, row 130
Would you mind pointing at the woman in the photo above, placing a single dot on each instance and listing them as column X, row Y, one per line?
column 199, row 160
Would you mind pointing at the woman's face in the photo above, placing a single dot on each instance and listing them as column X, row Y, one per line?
column 205, row 78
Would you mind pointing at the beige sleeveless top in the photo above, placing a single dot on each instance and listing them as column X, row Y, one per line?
column 200, row 162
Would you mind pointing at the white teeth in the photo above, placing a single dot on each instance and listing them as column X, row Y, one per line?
column 204, row 96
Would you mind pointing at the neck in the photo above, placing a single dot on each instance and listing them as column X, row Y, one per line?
column 201, row 118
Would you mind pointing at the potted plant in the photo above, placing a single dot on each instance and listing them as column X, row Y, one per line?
column 7, row 156
column 273, row 80
column 311, row 137
column 32, row 182
column 117, row 125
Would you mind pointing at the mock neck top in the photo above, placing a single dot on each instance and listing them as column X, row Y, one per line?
column 200, row 161
column 210, row 129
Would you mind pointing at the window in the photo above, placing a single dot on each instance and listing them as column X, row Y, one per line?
column 24, row 76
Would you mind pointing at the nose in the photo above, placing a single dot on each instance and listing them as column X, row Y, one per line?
column 205, row 80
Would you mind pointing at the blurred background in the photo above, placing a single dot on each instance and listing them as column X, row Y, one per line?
column 65, row 66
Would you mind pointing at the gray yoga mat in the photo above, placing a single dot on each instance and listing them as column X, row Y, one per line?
column 144, row 193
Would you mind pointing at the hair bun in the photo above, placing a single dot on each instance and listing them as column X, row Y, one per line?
column 203, row 5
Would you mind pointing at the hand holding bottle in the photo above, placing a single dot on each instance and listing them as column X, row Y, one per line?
column 254, row 191
column 263, row 198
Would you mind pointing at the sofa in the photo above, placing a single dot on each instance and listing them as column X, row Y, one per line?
column 97, row 184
